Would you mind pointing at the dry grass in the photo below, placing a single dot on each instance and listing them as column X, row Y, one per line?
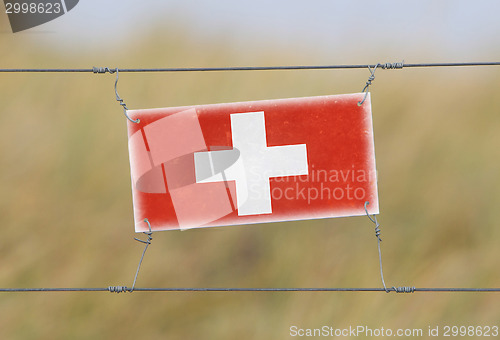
column 66, row 214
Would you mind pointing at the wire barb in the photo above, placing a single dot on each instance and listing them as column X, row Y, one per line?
column 118, row 289
column 404, row 289
column 392, row 66
column 102, row 70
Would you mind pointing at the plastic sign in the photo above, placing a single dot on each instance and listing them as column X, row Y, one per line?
column 252, row 162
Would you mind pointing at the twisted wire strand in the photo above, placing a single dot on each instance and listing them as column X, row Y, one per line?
column 404, row 289
column 368, row 83
column 117, row 289
column 147, row 243
column 102, row 70
column 118, row 99
column 379, row 239
column 392, row 66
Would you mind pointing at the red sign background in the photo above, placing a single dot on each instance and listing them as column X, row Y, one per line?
column 336, row 131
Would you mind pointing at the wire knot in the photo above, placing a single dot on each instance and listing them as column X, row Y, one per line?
column 368, row 83
column 385, row 66
column 120, row 100
column 374, row 220
column 403, row 289
column 147, row 243
column 148, row 233
column 103, row 70
column 378, row 232
column 118, row 289
column 392, row 66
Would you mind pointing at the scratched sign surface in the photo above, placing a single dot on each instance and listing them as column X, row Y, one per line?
column 252, row 162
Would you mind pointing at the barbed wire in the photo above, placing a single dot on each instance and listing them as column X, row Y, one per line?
column 398, row 65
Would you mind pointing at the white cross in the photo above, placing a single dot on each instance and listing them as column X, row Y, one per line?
column 256, row 163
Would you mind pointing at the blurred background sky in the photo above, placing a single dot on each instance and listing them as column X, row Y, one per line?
column 424, row 30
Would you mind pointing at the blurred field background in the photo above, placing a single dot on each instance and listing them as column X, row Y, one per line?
column 66, row 210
